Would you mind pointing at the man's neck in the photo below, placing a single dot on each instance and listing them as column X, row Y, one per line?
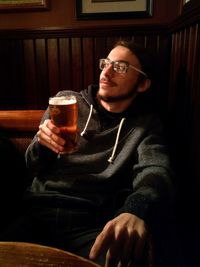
column 117, row 106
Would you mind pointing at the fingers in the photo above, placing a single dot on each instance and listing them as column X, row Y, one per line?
column 101, row 243
column 105, row 245
column 120, row 252
column 126, row 253
column 112, row 260
column 129, row 243
column 115, row 243
column 122, row 240
column 48, row 135
column 139, row 248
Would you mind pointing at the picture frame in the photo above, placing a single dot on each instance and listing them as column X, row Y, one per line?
column 24, row 5
column 113, row 9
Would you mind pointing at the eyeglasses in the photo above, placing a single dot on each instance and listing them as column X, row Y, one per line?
column 119, row 66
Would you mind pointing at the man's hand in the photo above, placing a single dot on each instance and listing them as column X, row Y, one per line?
column 48, row 135
column 123, row 239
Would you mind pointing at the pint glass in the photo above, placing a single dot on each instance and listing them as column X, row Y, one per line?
column 64, row 114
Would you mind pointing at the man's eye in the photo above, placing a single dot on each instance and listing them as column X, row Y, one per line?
column 120, row 67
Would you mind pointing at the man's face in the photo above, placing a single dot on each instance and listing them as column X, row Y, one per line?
column 115, row 86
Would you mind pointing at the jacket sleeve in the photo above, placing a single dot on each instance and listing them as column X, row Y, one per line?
column 37, row 156
column 153, row 187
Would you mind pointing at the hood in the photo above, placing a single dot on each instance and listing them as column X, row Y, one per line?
column 89, row 94
column 143, row 103
column 138, row 107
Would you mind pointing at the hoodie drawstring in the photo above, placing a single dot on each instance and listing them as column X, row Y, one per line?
column 111, row 159
column 87, row 122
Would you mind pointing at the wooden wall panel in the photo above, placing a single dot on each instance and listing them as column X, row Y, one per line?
column 53, row 65
column 76, row 63
column 65, row 62
column 42, row 75
column 37, row 64
column 89, row 64
column 11, row 60
column 100, row 49
column 40, row 63
column 184, row 93
column 30, row 73
column 184, row 126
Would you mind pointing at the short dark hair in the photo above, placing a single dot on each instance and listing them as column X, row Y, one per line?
column 152, row 97
column 141, row 53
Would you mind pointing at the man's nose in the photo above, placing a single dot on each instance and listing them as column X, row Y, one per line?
column 108, row 71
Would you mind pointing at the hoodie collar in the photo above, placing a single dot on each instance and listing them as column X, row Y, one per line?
column 139, row 106
column 90, row 97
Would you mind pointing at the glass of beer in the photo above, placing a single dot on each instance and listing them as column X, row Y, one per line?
column 64, row 114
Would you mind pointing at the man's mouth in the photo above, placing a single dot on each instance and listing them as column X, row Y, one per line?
column 107, row 82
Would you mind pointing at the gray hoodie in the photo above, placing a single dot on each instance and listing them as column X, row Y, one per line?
column 122, row 163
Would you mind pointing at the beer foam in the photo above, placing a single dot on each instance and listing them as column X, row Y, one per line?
column 62, row 100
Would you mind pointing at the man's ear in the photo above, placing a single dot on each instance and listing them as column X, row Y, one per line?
column 144, row 85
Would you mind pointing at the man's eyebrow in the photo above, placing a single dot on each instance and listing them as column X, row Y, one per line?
column 118, row 60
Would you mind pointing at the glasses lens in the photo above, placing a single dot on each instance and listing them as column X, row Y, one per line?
column 120, row 67
column 102, row 63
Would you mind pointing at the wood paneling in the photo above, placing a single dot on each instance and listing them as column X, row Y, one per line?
column 184, row 99
column 37, row 64
column 184, row 126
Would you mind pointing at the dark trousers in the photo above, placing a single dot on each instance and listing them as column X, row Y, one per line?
column 76, row 230
column 70, row 230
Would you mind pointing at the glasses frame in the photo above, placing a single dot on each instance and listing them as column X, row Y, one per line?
column 127, row 64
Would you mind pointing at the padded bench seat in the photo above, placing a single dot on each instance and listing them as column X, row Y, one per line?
column 20, row 126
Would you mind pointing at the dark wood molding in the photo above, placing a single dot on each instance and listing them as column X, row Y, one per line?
column 98, row 31
column 190, row 15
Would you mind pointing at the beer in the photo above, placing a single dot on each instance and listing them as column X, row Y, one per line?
column 64, row 114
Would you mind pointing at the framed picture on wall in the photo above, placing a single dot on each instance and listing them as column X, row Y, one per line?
column 23, row 5
column 113, row 9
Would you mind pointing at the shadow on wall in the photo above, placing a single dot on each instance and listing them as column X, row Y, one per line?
column 183, row 149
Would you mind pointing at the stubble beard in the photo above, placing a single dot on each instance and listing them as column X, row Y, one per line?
column 118, row 98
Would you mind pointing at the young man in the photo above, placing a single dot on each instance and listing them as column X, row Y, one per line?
column 102, row 199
